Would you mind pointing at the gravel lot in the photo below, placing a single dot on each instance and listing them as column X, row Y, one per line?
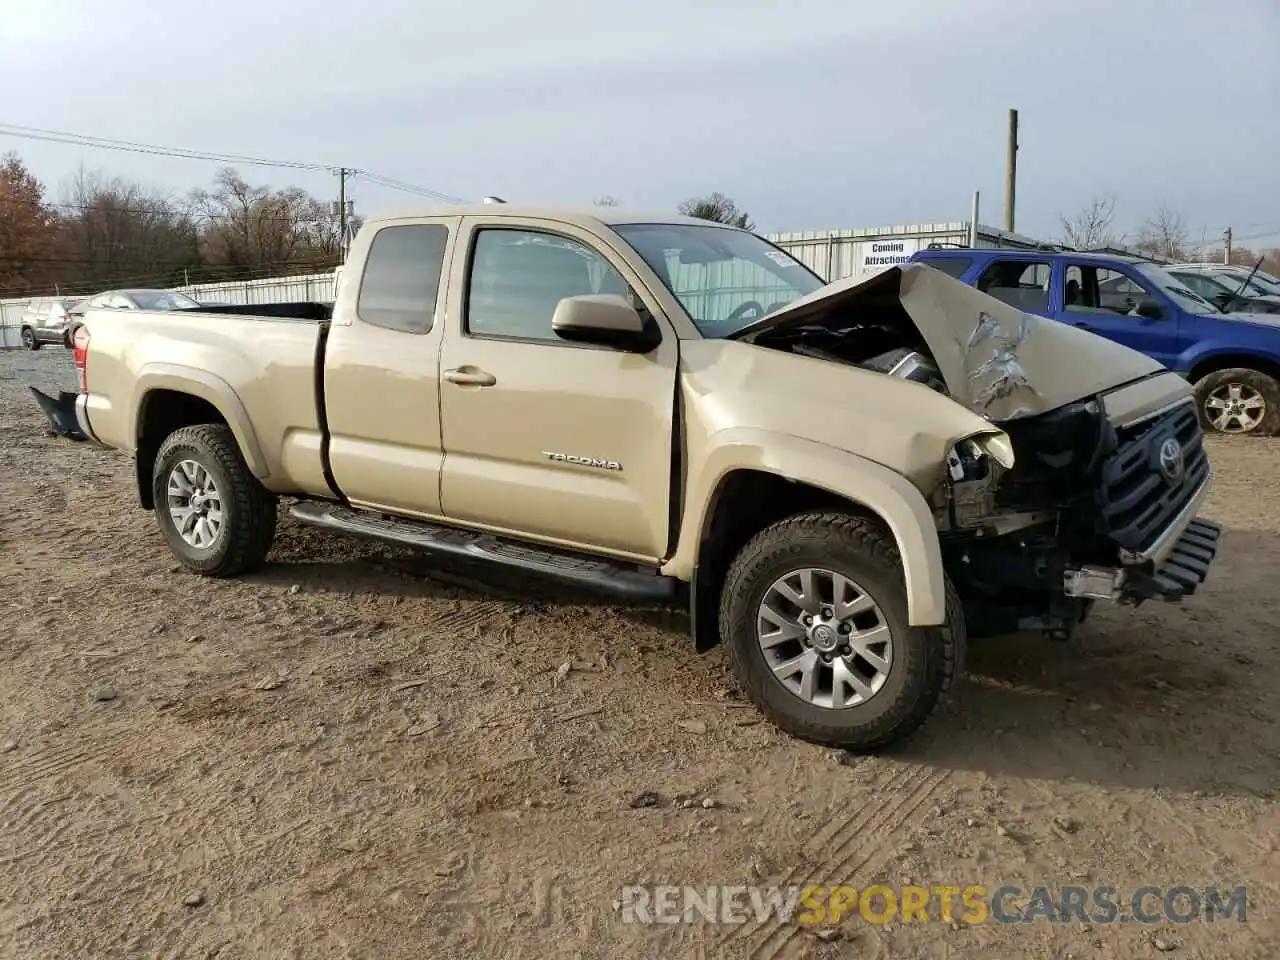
column 354, row 755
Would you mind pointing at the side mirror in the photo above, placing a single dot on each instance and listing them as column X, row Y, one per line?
column 1149, row 308
column 605, row 319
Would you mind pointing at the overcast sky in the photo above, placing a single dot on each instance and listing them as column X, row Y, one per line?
column 812, row 115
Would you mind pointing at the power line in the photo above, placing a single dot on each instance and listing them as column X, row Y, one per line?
column 134, row 146
column 403, row 187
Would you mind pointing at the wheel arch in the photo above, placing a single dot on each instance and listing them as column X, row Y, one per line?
column 743, row 487
column 1216, row 362
column 170, row 398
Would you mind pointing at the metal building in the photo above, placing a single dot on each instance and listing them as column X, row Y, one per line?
column 836, row 254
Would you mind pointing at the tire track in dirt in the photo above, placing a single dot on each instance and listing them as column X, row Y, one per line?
column 472, row 617
column 41, row 765
column 892, row 821
column 899, row 793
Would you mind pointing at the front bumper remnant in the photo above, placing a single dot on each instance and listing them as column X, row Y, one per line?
column 1183, row 568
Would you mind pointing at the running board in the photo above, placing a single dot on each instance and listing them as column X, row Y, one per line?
column 625, row 581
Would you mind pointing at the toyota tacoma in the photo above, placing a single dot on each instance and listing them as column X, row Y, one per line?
column 841, row 481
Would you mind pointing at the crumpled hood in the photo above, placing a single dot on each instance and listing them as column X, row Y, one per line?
column 999, row 362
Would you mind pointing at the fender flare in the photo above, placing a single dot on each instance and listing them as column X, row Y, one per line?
column 887, row 494
column 1207, row 351
column 214, row 391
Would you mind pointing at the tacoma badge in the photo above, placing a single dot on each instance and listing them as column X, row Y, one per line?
column 583, row 461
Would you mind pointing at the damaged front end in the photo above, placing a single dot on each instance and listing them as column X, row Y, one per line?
column 1087, row 513
column 1092, row 490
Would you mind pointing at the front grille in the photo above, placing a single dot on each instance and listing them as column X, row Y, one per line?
column 1138, row 501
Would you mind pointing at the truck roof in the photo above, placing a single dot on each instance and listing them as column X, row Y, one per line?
column 582, row 216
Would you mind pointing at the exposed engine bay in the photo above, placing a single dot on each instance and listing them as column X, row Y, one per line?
column 879, row 348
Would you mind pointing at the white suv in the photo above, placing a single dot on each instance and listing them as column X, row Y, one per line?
column 45, row 321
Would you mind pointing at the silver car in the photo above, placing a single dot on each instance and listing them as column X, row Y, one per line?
column 45, row 321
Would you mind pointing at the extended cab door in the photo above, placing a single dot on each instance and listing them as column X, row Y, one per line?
column 381, row 368
column 1105, row 300
column 543, row 438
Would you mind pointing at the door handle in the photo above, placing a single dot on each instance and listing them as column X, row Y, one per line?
column 470, row 377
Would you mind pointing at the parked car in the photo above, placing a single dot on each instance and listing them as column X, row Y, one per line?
column 136, row 300
column 1261, row 282
column 837, row 480
column 45, row 321
column 1233, row 359
column 1225, row 292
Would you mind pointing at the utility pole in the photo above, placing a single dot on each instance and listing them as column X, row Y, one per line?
column 342, row 212
column 1011, row 172
column 1226, row 245
column 973, row 223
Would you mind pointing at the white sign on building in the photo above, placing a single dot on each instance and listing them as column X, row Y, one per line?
column 877, row 255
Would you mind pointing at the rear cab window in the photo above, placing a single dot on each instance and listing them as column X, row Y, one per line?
column 401, row 279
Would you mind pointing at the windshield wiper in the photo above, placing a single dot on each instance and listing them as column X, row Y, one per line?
column 1245, row 282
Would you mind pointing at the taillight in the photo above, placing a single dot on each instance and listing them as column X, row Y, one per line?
column 80, row 343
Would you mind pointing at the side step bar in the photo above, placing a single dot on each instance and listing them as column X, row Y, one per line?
column 625, row 581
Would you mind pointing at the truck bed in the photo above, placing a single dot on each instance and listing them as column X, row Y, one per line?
column 261, row 373
column 296, row 310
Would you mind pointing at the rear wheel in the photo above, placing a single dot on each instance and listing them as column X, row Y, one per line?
column 1239, row 401
column 814, row 613
column 217, row 518
column 29, row 339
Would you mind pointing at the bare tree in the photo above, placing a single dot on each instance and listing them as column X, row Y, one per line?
column 1090, row 227
column 718, row 208
column 116, row 232
column 606, row 201
column 257, row 228
column 1164, row 235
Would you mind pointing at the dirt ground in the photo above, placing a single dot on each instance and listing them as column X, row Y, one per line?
column 354, row 755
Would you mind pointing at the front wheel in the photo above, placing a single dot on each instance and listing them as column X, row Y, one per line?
column 1239, row 401
column 217, row 518
column 29, row 339
column 814, row 613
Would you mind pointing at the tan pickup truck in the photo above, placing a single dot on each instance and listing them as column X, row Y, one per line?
column 841, row 481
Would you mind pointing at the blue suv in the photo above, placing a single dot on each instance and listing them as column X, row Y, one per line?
column 1233, row 359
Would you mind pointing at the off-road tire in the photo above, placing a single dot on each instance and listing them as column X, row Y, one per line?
column 249, row 509
column 29, row 339
column 927, row 660
column 1265, row 385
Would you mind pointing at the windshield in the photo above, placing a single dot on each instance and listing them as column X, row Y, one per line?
column 1262, row 287
column 162, row 300
column 1172, row 287
column 724, row 278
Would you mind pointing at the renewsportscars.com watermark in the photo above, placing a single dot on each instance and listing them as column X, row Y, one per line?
column 972, row 904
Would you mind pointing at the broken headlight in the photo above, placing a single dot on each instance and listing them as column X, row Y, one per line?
column 970, row 459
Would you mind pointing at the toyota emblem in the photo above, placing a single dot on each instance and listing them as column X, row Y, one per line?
column 1171, row 463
